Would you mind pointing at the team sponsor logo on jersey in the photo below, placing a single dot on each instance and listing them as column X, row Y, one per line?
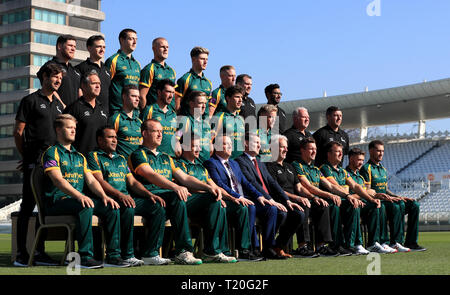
column 43, row 106
column 58, row 109
column 103, row 114
column 87, row 114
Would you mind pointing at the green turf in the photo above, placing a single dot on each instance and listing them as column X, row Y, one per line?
column 435, row 261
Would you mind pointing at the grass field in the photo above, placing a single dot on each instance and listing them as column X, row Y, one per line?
column 435, row 261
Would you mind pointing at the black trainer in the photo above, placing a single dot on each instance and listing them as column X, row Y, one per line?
column 21, row 260
column 91, row 264
column 342, row 251
column 326, row 251
column 305, row 252
column 42, row 259
column 247, row 255
column 416, row 248
column 116, row 262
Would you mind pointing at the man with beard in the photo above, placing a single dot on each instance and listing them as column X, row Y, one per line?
column 330, row 132
column 273, row 95
column 65, row 51
column 33, row 134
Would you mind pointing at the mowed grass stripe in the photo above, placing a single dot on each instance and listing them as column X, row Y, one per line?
column 435, row 261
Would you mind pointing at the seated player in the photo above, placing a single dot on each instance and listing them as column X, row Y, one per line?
column 67, row 173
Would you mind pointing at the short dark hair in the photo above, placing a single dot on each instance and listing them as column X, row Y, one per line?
column 269, row 88
column 374, row 143
column 161, row 84
column 233, row 90
column 124, row 33
column 331, row 144
column 90, row 41
column 49, row 69
column 63, row 39
column 306, row 141
column 126, row 89
column 250, row 133
column 331, row 110
column 101, row 131
column 240, row 78
column 355, row 152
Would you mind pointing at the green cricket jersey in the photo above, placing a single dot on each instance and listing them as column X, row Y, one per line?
column 72, row 165
column 265, row 154
column 151, row 74
column 375, row 175
column 339, row 174
column 114, row 169
column 124, row 71
column 233, row 126
column 200, row 128
column 193, row 169
column 193, row 82
column 128, row 132
column 161, row 163
column 356, row 177
column 168, row 121
column 218, row 99
column 311, row 172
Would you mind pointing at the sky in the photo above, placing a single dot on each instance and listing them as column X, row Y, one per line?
column 306, row 46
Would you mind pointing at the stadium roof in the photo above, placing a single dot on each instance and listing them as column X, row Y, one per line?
column 410, row 103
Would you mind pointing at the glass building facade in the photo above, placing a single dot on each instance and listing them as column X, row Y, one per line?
column 29, row 30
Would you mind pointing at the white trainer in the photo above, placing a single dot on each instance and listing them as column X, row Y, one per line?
column 360, row 250
column 155, row 260
column 390, row 249
column 188, row 258
column 400, row 248
column 133, row 261
column 377, row 248
column 220, row 258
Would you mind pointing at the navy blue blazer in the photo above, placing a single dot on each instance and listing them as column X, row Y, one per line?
column 219, row 175
column 249, row 171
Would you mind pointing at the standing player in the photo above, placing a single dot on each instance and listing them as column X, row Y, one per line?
column 68, row 91
column 248, row 107
column 162, row 111
column 195, row 122
column 273, row 95
column 330, row 132
column 297, row 133
column 126, row 122
column 155, row 71
column 229, row 122
column 194, row 80
column 217, row 102
column 33, row 134
column 90, row 113
column 96, row 47
column 124, row 68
